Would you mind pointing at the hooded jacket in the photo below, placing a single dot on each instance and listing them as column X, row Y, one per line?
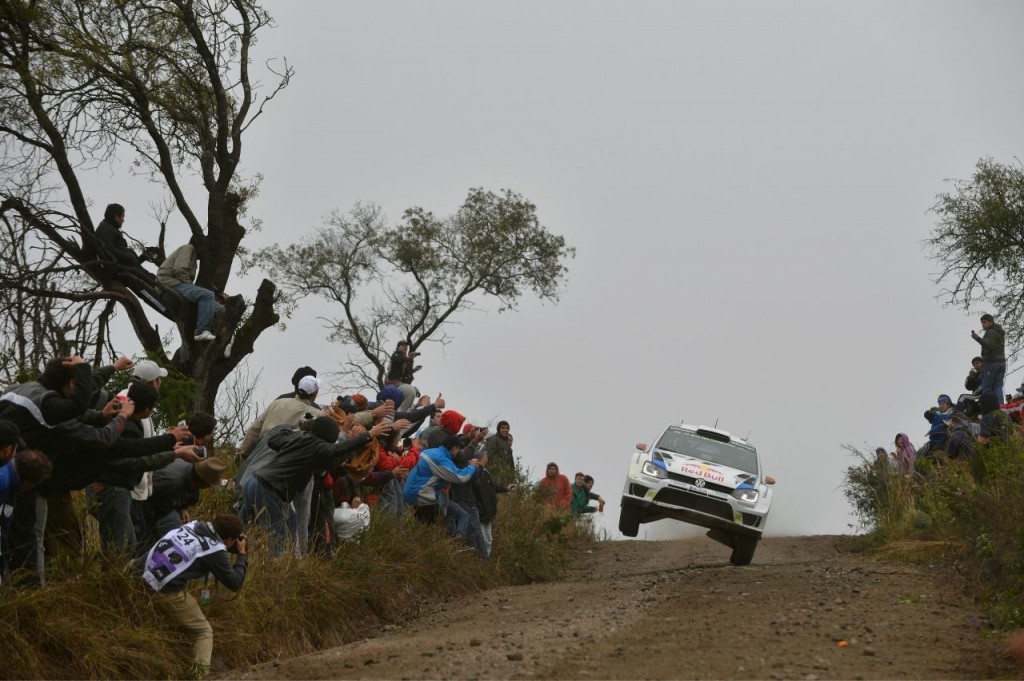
column 555, row 492
column 434, row 469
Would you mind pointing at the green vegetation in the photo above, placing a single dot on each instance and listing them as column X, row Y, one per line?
column 97, row 619
column 969, row 512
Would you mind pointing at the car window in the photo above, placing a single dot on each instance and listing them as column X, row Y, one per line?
column 724, row 453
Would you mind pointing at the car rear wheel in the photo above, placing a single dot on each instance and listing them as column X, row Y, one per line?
column 743, row 550
column 629, row 520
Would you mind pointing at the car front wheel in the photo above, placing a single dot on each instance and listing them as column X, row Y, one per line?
column 743, row 550
column 629, row 520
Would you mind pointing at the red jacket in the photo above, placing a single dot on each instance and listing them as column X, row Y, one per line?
column 557, row 492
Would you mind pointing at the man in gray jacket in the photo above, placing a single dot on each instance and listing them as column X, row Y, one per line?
column 177, row 273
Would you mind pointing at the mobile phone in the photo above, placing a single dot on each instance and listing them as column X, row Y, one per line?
column 200, row 451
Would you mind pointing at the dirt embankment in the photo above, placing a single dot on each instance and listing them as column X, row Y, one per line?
column 806, row 608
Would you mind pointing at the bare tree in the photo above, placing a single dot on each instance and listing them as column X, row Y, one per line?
column 411, row 281
column 164, row 86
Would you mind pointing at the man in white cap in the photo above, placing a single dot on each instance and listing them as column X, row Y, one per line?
column 144, row 371
column 284, row 411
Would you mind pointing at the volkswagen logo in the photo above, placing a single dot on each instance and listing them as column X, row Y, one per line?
column 699, row 482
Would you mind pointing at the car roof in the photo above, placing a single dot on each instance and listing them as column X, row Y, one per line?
column 711, row 433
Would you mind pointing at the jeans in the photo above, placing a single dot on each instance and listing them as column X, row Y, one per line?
column 112, row 507
column 458, row 520
column 206, row 306
column 269, row 512
column 992, row 373
column 487, row 534
column 474, row 533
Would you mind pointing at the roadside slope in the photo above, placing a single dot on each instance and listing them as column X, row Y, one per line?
column 648, row 610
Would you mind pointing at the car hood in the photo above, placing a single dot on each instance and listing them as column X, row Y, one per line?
column 703, row 470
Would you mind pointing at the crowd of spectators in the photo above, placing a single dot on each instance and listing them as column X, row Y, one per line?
column 960, row 429
column 310, row 472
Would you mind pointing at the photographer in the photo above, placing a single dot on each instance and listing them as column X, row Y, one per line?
column 193, row 551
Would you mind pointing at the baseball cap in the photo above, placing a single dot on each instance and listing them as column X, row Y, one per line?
column 309, row 384
column 147, row 370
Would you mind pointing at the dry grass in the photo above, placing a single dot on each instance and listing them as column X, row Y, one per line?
column 96, row 619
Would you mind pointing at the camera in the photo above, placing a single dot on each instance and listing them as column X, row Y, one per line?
column 200, row 451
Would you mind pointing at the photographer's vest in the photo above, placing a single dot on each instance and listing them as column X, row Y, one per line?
column 178, row 550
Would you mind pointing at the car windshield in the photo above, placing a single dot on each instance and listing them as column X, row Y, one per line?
column 724, row 453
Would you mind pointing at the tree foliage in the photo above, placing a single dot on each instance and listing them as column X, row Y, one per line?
column 979, row 242
column 162, row 86
column 412, row 280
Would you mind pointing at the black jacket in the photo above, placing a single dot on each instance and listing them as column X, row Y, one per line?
column 485, row 490
column 298, row 454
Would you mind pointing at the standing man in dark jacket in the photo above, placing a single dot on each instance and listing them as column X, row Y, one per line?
column 192, row 551
column 298, row 454
column 993, row 356
column 499, row 448
column 486, row 492
column 401, row 372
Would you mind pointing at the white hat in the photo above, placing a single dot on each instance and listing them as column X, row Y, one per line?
column 308, row 385
column 147, row 370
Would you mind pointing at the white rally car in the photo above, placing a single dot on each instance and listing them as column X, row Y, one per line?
column 702, row 476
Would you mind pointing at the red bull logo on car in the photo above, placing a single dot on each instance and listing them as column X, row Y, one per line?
column 699, row 470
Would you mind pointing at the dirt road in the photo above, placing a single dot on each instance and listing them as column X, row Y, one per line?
column 655, row 610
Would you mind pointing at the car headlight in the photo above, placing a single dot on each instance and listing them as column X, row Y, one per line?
column 748, row 495
column 653, row 471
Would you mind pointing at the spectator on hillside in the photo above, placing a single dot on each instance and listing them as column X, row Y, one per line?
column 973, row 380
column 995, row 423
column 176, row 488
column 194, row 551
column 10, row 441
column 435, row 468
column 461, row 494
column 993, row 356
column 283, row 411
column 178, row 273
column 588, row 482
column 400, row 374
column 555, row 489
column 906, row 454
column 938, row 434
column 61, row 393
column 486, row 491
column 144, row 371
column 580, row 501
column 23, row 471
column 961, row 439
column 299, row 374
column 110, row 494
column 499, row 450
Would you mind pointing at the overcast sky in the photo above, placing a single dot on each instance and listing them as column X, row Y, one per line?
column 747, row 186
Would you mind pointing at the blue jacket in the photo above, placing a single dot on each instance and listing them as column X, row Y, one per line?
column 433, row 471
column 939, row 432
column 10, row 485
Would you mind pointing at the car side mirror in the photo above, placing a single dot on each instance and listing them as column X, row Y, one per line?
column 769, row 480
column 642, row 446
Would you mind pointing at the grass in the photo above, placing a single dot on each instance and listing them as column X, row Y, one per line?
column 96, row 619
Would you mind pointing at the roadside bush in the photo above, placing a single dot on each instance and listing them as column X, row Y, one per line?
column 974, row 507
column 97, row 619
